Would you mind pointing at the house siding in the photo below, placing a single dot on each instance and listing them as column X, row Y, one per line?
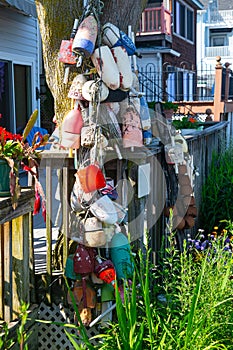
column 177, row 55
column 19, row 43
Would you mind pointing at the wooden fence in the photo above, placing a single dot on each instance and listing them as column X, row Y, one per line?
column 16, row 255
column 201, row 145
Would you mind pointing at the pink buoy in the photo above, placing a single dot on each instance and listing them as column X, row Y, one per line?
column 123, row 64
column 106, row 66
column 73, row 122
column 85, row 38
column 131, row 130
column 66, row 139
column 69, row 133
column 75, row 91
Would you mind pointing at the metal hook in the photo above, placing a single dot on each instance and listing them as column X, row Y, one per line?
column 79, row 61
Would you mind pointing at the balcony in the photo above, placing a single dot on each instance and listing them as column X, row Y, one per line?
column 155, row 20
column 213, row 51
column 221, row 17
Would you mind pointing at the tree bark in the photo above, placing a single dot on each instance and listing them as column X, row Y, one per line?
column 56, row 18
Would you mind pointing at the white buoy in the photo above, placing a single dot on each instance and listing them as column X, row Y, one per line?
column 106, row 66
column 123, row 63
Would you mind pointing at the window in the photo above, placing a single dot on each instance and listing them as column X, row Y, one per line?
column 15, row 95
column 218, row 41
column 5, row 110
column 184, row 21
column 22, row 88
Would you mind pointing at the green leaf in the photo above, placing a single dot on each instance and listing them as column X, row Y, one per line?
column 71, row 337
column 30, row 124
column 121, row 317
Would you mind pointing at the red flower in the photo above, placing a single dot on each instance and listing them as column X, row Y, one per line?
column 7, row 135
column 192, row 120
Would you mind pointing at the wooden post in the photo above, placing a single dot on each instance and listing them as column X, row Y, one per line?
column 7, row 263
column 227, row 81
column 218, row 105
column 49, row 229
column 163, row 21
column 65, row 210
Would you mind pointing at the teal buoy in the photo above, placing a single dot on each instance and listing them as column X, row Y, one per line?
column 121, row 257
column 69, row 269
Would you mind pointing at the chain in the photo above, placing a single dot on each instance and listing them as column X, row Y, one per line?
column 94, row 7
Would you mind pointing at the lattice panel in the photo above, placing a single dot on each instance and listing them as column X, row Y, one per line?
column 52, row 336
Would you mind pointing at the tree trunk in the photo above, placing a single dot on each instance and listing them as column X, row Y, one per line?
column 56, row 18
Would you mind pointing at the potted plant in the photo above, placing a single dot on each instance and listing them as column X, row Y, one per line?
column 169, row 108
column 170, row 105
column 187, row 123
column 16, row 154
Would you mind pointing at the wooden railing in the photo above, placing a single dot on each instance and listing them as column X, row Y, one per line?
column 201, row 147
column 17, row 282
column 156, row 20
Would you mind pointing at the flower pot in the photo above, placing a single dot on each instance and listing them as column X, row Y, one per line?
column 5, row 178
column 185, row 132
column 168, row 113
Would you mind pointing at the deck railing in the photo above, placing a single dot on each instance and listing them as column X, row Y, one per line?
column 222, row 16
column 155, row 20
column 213, row 51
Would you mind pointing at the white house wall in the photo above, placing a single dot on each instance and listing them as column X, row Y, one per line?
column 19, row 43
column 203, row 41
column 152, row 61
column 200, row 49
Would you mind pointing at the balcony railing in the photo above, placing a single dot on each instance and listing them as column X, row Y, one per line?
column 155, row 21
column 225, row 16
column 213, row 51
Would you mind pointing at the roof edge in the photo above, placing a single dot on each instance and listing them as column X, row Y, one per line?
column 24, row 6
column 197, row 4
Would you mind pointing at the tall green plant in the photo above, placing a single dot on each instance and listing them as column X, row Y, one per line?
column 196, row 314
column 5, row 342
column 217, row 191
column 22, row 334
column 185, row 303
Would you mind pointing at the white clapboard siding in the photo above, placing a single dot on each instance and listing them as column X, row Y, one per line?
column 19, row 43
column 18, row 33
